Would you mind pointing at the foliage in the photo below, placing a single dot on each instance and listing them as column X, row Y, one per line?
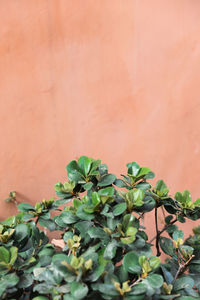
column 106, row 254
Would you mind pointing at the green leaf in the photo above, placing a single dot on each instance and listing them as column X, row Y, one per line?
column 77, row 203
column 106, row 290
column 122, row 274
column 128, row 220
column 135, row 197
column 155, row 280
column 40, row 298
column 138, row 289
column 150, row 175
column 154, row 262
column 171, row 229
column 25, row 281
column 133, row 168
column 168, row 219
column 74, row 172
column 63, row 201
column 68, row 235
column 25, row 207
column 149, row 204
column 131, row 263
column 83, row 215
column 89, row 209
column 8, row 281
column 178, row 197
column 83, row 227
column 167, row 246
column 119, row 209
column 185, row 200
column 78, row 290
column 181, row 219
column 97, row 272
column 178, row 234
column 68, row 218
column 106, row 194
column 136, row 297
column 13, row 255
column 120, row 183
column 97, row 232
column 112, row 223
column 161, row 186
column 197, row 202
column 95, row 199
column 60, row 257
column 143, row 186
column 22, row 232
column 48, row 250
column 96, row 168
column 47, row 223
column 67, row 187
column 109, row 191
column 4, row 255
column 183, row 283
column 187, row 298
column 187, row 196
column 88, row 186
column 130, row 235
column 110, row 250
column 91, row 252
column 167, row 275
column 85, row 163
column 143, row 171
column 106, row 180
column 186, row 251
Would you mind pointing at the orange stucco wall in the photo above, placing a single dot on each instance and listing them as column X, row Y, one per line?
column 112, row 79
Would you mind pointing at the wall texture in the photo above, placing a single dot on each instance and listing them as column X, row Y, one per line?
column 116, row 80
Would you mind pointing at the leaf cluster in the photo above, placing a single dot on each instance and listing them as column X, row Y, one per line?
column 107, row 253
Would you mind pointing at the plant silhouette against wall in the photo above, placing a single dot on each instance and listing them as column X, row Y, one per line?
column 106, row 254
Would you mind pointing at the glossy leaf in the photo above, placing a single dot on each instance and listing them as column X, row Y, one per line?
column 106, row 180
column 78, row 290
column 167, row 246
column 74, row 172
column 133, row 168
column 131, row 263
column 25, row 207
column 119, row 209
column 110, row 250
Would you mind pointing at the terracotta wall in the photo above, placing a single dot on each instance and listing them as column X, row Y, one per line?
column 112, row 79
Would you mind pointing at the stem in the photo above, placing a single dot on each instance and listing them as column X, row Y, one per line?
column 157, row 232
column 141, row 216
column 182, row 267
column 135, row 282
column 177, row 273
column 162, row 230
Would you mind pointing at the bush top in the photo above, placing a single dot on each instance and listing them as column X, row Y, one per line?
column 106, row 253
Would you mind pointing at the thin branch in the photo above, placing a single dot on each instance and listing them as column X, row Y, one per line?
column 162, row 230
column 157, row 232
column 141, row 216
column 182, row 267
column 136, row 282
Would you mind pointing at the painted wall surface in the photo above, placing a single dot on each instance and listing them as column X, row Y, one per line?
column 117, row 80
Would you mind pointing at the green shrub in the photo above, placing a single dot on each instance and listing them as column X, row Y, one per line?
column 106, row 254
